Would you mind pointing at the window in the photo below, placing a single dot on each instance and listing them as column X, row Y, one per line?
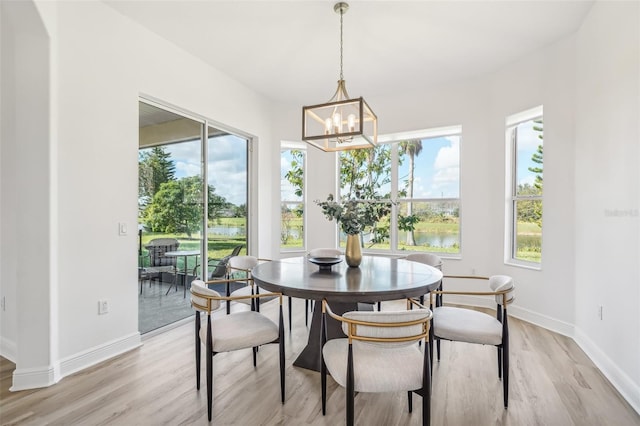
column 524, row 210
column 412, row 182
column 292, row 174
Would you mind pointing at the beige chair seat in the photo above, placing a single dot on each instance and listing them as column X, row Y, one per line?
column 466, row 325
column 227, row 333
column 380, row 354
column 241, row 330
column 376, row 369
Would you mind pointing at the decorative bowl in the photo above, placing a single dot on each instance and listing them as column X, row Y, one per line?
column 325, row 263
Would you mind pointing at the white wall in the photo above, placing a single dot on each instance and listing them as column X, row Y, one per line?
column 102, row 63
column 28, row 234
column 481, row 107
column 607, row 176
column 588, row 84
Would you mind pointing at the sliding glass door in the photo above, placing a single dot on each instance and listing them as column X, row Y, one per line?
column 178, row 241
column 227, row 177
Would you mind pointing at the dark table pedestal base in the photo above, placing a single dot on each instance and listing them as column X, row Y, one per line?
column 309, row 358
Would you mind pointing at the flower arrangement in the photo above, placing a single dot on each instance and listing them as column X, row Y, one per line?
column 352, row 215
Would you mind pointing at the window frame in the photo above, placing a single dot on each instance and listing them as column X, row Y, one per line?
column 512, row 196
column 394, row 141
column 299, row 146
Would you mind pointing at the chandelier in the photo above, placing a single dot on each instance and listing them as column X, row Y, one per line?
column 341, row 123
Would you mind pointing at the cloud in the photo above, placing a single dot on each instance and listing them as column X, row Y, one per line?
column 227, row 165
column 528, row 139
column 448, row 156
column 446, row 178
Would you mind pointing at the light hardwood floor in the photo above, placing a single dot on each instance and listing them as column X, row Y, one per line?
column 552, row 383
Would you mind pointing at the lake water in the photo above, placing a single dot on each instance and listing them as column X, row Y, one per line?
column 445, row 240
column 227, row 231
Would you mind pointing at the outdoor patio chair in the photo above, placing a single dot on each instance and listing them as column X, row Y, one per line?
column 158, row 263
column 218, row 267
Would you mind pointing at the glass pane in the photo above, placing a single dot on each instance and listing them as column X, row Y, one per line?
column 529, row 156
column 292, row 175
column 227, row 166
column 170, row 211
column 432, row 226
column 291, row 225
column 528, row 238
column 429, row 168
column 366, row 173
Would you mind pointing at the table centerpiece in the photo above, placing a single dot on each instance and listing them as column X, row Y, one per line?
column 352, row 216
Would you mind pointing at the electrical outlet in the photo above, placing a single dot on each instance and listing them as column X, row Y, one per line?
column 103, row 307
column 473, row 272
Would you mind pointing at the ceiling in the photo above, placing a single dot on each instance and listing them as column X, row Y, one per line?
column 289, row 51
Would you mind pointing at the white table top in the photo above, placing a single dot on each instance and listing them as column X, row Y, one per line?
column 182, row 253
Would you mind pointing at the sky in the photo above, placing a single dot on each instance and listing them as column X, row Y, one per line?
column 528, row 142
column 227, row 165
column 437, row 169
column 436, row 174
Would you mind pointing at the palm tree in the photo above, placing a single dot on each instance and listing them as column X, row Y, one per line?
column 412, row 148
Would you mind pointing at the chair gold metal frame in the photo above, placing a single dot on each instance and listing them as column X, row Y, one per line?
column 252, row 330
column 361, row 331
column 503, row 290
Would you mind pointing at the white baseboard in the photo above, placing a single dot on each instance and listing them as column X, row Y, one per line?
column 98, row 354
column 629, row 390
column 31, row 378
column 8, row 349
column 552, row 324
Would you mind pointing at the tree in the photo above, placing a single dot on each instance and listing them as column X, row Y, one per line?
column 177, row 206
column 363, row 173
column 295, row 175
column 155, row 167
column 537, row 157
column 411, row 148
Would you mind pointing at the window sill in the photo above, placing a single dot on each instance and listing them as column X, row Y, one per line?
column 524, row 265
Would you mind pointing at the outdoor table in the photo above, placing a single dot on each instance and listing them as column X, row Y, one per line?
column 184, row 254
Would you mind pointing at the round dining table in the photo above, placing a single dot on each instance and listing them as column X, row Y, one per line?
column 346, row 289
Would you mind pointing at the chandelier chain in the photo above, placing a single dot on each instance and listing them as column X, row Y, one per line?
column 341, row 14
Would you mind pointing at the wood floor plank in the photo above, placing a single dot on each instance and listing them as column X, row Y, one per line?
column 552, row 383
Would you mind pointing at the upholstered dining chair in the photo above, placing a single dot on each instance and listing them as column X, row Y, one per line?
column 239, row 270
column 317, row 252
column 436, row 262
column 464, row 324
column 227, row 333
column 428, row 259
column 378, row 355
